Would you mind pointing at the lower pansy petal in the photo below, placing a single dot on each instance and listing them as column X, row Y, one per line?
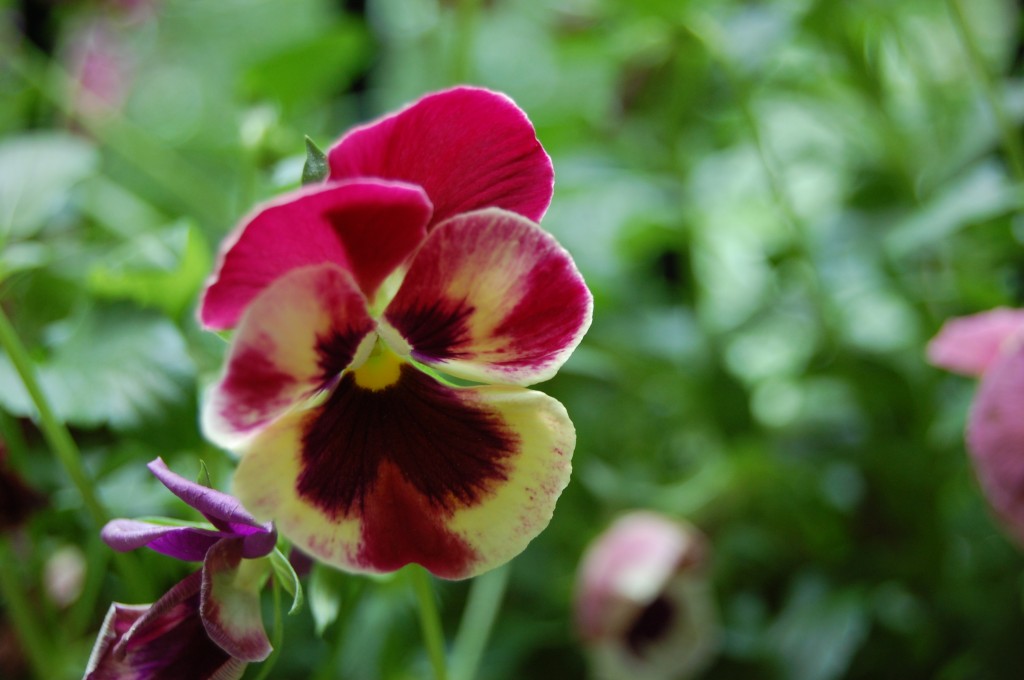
column 492, row 297
column 294, row 339
column 995, row 437
column 339, row 222
column 458, row 480
column 230, row 605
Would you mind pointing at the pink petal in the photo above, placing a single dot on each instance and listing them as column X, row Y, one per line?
column 995, row 437
column 457, row 480
column 492, row 297
column 367, row 227
column 230, row 603
column 294, row 340
column 469, row 148
column 970, row 344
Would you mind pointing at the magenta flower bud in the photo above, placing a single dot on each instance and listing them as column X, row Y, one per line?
column 991, row 345
column 644, row 607
column 162, row 641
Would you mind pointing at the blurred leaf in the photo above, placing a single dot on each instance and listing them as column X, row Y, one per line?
column 109, row 366
column 36, row 172
column 819, row 630
column 325, row 591
column 174, row 263
column 305, row 72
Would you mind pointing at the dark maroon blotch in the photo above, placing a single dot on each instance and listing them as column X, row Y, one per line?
column 451, row 452
column 335, row 352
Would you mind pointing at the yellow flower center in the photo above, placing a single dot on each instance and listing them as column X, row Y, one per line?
column 381, row 369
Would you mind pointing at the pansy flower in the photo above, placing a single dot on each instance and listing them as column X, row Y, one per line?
column 223, row 597
column 351, row 301
column 643, row 604
column 990, row 345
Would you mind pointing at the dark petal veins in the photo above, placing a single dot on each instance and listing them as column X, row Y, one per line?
column 440, row 328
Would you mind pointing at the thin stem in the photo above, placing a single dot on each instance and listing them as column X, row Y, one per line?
column 465, row 31
column 430, row 619
column 64, row 447
column 482, row 607
column 276, row 635
column 1011, row 141
column 20, row 612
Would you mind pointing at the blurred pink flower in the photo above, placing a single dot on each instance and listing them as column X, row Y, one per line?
column 100, row 67
column 990, row 345
column 643, row 603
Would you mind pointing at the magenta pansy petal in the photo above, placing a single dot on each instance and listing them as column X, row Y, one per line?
column 294, row 340
column 492, row 297
column 162, row 641
column 458, row 480
column 970, row 344
column 995, row 437
column 469, row 148
column 230, row 603
column 183, row 543
column 341, row 223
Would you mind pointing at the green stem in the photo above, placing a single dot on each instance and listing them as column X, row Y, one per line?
column 430, row 619
column 1011, row 141
column 482, row 607
column 276, row 635
column 64, row 447
column 20, row 612
column 465, row 31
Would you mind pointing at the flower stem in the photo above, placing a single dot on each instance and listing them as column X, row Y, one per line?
column 27, row 629
column 430, row 620
column 64, row 447
column 465, row 32
column 482, row 607
column 1011, row 141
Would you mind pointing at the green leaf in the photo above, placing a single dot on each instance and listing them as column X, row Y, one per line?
column 303, row 73
column 114, row 366
column 163, row 269
column 315, row 169
column 204, row 475
column 289, row 580
column 325, row 588
column 36, row 173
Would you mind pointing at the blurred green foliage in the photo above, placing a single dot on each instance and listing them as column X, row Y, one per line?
column 775, row 202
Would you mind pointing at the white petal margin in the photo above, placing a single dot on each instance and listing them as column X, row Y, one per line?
column 492, row 297
column 494, row 530
column 310, row 316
